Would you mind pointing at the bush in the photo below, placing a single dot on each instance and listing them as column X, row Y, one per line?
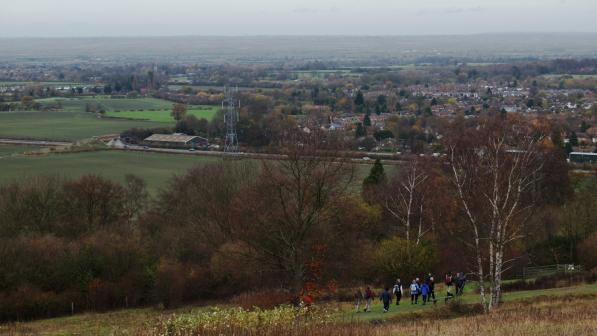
column 587, row 252
column 237, row 321
column 170, row 283
column 458, row 308
column 265, row 299
column 550, row 281
column 396, row 258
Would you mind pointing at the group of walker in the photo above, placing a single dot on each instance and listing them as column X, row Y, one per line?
column 425, row 290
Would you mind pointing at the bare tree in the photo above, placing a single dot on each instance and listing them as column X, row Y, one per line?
column 405, row 200
column 493, row 168
column 292, row 210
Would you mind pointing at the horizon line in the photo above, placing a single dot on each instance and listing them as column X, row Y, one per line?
column 299, row 35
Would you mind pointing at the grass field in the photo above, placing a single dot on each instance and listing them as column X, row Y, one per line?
column 39, row 83
column 155, row 168
column 110, row 104
column 573, row 76
column 8, row 150
column 470, row 297
column 562, row 311
column 201, row 112
column 71, row 122
column 64, row 125
column 152, row 109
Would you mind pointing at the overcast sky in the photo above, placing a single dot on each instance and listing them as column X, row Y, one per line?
column 292, row 17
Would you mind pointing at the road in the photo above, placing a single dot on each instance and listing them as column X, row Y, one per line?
column 244, row 155
column 365, row 159
column 33, row 142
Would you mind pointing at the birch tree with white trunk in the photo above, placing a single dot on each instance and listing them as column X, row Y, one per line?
column 493, row 168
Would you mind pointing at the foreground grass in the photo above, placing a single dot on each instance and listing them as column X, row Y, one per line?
column 563, row 311
column 347, row 312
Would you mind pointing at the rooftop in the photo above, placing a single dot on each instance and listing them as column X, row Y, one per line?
column 182, row 138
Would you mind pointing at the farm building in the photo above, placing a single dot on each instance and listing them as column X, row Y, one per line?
column 176, row 140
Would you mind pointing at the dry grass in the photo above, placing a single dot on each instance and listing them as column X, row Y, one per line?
column 575, row 316
column 555, row 315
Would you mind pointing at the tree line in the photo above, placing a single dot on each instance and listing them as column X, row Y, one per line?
column 306, row 224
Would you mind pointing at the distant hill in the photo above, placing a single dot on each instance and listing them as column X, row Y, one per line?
column 399, row 49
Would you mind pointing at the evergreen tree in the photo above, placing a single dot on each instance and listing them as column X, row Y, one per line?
column 360, row 131
column 573, row 139
column 359, row 100
column 381, row 105
column 376, row 176
column 568, row 148
column 367, row 120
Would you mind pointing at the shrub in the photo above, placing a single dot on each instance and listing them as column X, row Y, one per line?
column 170, row 282
column 265, row 299
column 396, row 258
column 587, row 252
column 237, row 321
column 550, row 281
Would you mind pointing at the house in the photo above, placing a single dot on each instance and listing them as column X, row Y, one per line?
column 176, row 140
column 511, row 109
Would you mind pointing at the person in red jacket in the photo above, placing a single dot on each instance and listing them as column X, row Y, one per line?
column 369, row 295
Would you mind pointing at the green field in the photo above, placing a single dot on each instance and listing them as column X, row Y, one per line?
column 39, row 83
column 470, row 297
column 110, row 104
column 8, row 150
column 569, row 76
column 150, row 109
column 201, row 112
column 155, row 168
column 64, row 125
column 71, row 122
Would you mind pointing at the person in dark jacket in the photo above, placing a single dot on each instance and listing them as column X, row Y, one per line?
column 386, row 298
column 460, row 282
column 398, row 291
column 449, row 281
column 431, row 284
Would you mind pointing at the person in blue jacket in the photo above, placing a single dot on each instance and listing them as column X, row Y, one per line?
column 425, row 292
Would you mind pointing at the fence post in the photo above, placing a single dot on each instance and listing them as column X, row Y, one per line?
column 72, row 308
